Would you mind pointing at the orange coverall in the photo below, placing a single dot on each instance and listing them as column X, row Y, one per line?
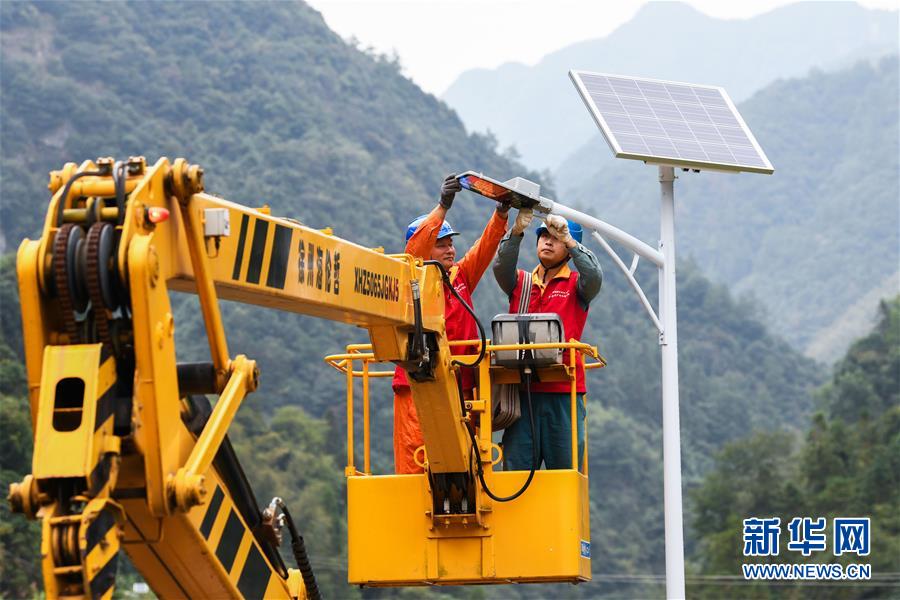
column 407, row 431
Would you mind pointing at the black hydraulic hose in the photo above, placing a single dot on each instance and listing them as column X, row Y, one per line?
column 419, row 347
column 299, row 549
column 534, row 452
column 446, row 277
column 534, row 455
column 65, row 194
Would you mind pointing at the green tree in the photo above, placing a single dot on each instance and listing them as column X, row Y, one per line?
column 849, row 466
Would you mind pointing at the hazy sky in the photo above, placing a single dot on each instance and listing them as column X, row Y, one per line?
column 439, row 39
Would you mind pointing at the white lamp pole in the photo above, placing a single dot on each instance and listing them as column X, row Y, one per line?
column 666, row 324
column 668, row 340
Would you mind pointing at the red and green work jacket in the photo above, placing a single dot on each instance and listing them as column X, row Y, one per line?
column 559, row 295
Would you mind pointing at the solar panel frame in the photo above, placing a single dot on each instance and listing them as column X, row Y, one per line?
column 654, row 120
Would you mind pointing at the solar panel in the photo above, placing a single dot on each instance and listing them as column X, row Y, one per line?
column 663, row 122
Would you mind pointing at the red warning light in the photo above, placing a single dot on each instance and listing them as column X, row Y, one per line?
column 157, row 214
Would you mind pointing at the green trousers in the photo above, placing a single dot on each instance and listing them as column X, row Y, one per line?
column 552, row 430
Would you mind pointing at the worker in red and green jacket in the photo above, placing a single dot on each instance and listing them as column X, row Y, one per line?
column 555, row 288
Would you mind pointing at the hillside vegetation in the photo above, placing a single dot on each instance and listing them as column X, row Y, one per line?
column 846, row 465
column 279, row 110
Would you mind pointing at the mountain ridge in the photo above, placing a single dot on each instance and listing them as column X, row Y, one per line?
column 557, row 122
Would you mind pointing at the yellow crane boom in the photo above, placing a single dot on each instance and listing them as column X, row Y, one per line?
column 114, row 453
column 129, row 454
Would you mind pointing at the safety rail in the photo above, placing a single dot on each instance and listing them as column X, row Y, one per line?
column 481, row 404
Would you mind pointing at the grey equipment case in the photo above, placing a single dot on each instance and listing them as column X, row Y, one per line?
column 533, row 328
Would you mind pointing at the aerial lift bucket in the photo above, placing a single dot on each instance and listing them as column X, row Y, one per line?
column 395, row 537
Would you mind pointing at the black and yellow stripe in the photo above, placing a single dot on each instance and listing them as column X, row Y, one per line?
column 257, row 250
column 230, row 540
column 278, row 258
column 106, row 407
column 105, row 467
column 100, row 475
column 254, row 577
column 100, row 549
column 240, row 557
column 239, row 256
column 279, row 252
column 212, row 512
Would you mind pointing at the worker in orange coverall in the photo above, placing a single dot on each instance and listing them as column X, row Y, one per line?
column 430, row 237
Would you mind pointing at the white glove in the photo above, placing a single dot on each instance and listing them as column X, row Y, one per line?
column 523, row 220
column 558, row 228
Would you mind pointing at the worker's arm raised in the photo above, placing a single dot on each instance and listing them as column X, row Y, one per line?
column 505, row 263
column 425, row 236
column 423, row 240
column 479, row 256
column 590, row 275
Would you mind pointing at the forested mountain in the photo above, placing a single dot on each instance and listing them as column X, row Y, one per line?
column 536, row 109
column 19, row 563
column 270, row 101
column 846, row 465
column 276, row 108
column 817, row 242
column 279, row 110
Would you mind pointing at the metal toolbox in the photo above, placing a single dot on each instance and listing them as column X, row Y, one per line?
column 534, row 328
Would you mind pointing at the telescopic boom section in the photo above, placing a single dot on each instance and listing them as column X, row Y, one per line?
column 125, row 454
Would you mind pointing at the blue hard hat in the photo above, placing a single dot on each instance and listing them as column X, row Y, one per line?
column 574, row 229
column 446, row 228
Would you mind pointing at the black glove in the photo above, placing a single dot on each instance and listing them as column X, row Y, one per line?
column 449, row 188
